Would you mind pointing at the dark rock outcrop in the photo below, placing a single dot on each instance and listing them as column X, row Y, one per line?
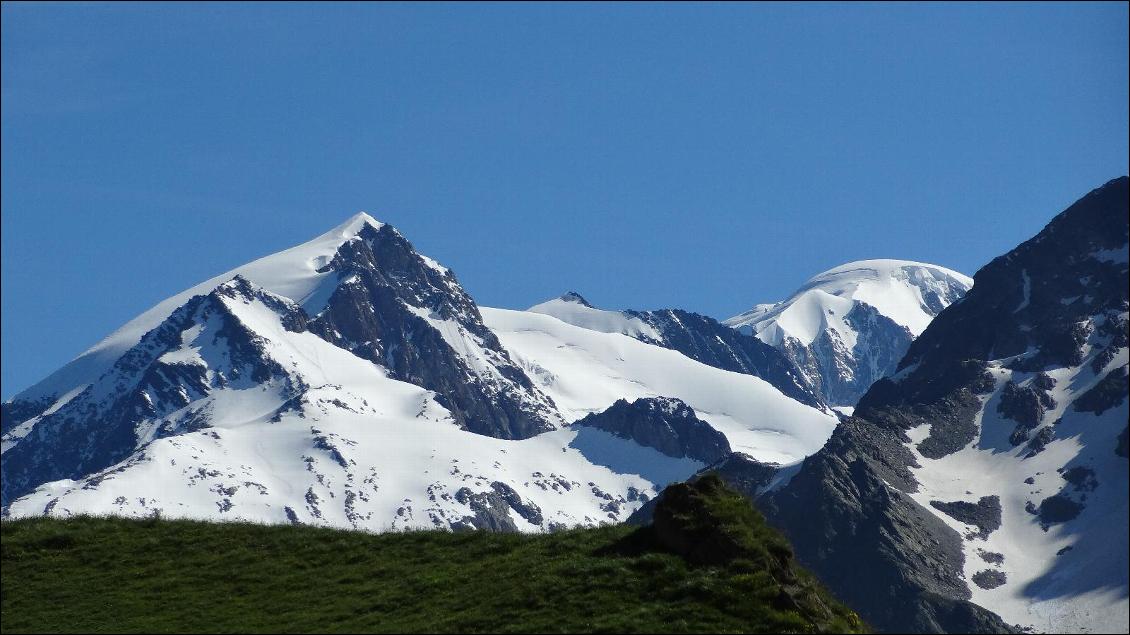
column 1109, row 393
column 886, row 556
column 1057, row 509
column 663, row 423
column 708, row 341
column 1025, row 405
column 985, row 514
column 378, row 311
column 492, row 509
column 989, row 578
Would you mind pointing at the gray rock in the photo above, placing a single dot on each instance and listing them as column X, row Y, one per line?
column 1025, row 405
column 1057, row 509
column 991, row 557
column 894, row 562
column 1109, row 393
column 665, row 424
column 369, row 314
column 708, row 341
column 985, row 514
column 492, row 509
column 989, row 578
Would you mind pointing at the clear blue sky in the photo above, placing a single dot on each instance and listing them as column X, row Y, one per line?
column 707, row 157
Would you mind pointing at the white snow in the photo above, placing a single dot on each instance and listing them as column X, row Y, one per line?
column 586, row 371
column 405, row 460
column 291, row 273
column 1082, row 590
column 893, row 287
column 578, row 314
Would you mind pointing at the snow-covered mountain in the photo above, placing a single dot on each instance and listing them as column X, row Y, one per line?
column 849, row 326
column 586, row 371
column 697, row 336
column 351, row 381
column 990, row 472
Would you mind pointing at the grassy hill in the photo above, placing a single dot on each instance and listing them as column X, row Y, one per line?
column 708, row 564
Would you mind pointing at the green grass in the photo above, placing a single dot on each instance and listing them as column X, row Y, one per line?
column 103, row 574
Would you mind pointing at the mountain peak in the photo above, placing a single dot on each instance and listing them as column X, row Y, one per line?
column 880, row 268
column 576, row 298
column 908, row 292
column 355, row 224
column 865, row 309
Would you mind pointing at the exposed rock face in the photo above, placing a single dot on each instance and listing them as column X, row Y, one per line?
column 1041, row 295
column 989, row 578
column 1047, row 305
column 985, row 514
column 1106, row 394
column 842, row 372
column 395, row 308
column 663, row 423
column 897, row 564
column 492, row 509
column 1025, row 405
column 706, row 340
column 145, row 394
column 742, row 473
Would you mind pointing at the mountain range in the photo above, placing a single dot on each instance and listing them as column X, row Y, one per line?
column 947, row 453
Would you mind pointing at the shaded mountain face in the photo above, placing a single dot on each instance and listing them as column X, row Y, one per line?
column 849, row 326
column 396, row 308
column 989, row 473
column 699, row 337
column 663, row 423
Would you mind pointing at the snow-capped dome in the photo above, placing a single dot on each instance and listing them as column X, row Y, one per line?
column 909, row 293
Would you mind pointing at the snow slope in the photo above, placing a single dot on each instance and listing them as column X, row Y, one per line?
column 699, row 337
column 573, row 309
column 585, row 371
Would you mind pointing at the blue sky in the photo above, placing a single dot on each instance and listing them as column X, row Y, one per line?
column 707, row 157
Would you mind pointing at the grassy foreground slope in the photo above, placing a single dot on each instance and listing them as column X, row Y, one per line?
column 709, row 564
